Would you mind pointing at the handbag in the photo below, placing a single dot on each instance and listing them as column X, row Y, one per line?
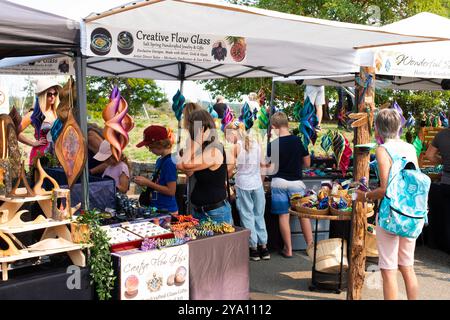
column 145, row 198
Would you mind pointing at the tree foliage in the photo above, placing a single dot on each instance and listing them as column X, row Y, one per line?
column 354, row 11
column 137, row 92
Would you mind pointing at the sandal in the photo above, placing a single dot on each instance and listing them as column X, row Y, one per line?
column 284, row 255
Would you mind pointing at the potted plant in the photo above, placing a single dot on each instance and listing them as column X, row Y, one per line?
column 87, row 224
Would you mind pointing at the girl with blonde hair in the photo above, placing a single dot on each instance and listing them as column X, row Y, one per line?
column 41, row 117
column 250, row 197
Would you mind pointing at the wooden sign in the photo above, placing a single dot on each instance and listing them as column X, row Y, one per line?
column 154, row 275
column 70, row 148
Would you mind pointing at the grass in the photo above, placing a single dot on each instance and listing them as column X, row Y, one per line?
column 318, row 151
column 136, row 135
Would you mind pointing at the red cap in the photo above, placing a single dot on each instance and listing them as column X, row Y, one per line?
column 153, row 134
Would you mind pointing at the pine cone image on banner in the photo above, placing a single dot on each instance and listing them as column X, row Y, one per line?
column 238, row 48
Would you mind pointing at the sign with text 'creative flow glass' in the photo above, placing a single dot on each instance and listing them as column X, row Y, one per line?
column 171, row 46
column 155, row 275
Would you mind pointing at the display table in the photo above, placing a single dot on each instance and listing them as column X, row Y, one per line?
column 218, row 268
column 438, row 230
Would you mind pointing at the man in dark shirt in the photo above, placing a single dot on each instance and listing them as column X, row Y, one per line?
column 439, row 153
column 220, row 106
column 287, row 157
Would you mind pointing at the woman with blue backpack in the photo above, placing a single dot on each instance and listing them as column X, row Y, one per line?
column 403, row 211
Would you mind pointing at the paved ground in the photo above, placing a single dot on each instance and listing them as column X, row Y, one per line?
column 281, row 278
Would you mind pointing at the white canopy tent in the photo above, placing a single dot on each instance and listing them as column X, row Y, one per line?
column 190, row 40
column 407, row 67
column 276, row 44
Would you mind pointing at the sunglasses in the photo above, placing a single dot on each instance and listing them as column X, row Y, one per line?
column 50, row 94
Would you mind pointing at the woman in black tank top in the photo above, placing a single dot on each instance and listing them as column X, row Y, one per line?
column 207, row 162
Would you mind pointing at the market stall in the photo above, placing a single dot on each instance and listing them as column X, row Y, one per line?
column 403, row 67
column 37, row 33
column 137, row 40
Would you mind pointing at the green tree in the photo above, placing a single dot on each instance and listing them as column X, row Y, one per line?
column 137, row 92
column 29, row 98
column 353, row 11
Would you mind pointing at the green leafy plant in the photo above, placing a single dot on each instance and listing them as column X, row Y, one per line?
column 99, row 261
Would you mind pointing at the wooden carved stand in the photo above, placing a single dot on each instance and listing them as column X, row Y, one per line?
column 365, row 98
column 57, row 230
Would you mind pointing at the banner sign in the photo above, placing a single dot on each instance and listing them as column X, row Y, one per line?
column 410, row 64
column 171, row 46
column 155, row 274
column 4, row 99
column 46, row 67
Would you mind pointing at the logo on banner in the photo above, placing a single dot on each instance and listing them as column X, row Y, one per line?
column 387, row 66
column 101, row 41
column 125, row 43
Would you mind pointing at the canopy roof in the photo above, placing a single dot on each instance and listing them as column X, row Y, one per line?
column 25, row 31
column 419, row 66
column 422, row 24
column 383, row 82
column 276, row 44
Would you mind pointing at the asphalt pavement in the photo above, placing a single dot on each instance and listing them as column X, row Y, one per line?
column 289, row 279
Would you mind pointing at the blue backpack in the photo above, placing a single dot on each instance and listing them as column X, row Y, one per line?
column 404, row 208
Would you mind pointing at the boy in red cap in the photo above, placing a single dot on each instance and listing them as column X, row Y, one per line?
column 163, row 184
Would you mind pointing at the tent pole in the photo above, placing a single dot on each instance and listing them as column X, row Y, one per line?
column 365, row 102
column 181, row 76
column 80, row 74
column 272, row 99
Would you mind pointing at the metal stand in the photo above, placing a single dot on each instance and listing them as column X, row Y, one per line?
column 333, row 282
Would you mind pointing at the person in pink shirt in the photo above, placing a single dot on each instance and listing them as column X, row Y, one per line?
column 117, row 170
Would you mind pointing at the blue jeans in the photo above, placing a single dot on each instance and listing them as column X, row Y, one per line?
column 251, row 205
column 222, row 214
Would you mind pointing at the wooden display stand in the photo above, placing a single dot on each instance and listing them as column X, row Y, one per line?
column 426, row 135
column 58, row 230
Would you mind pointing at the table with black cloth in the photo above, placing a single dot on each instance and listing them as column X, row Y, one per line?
column 438, row 231
column 47, row 282
column 102, row 191
column 218, row 267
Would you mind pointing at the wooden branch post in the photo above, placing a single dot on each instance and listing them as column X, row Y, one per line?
column 365, row 99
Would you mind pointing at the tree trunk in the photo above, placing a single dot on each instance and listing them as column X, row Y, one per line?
column 326, row 111
column 365, row 102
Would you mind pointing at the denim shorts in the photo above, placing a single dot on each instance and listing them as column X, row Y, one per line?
column 282, row 190
column 222, row 214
